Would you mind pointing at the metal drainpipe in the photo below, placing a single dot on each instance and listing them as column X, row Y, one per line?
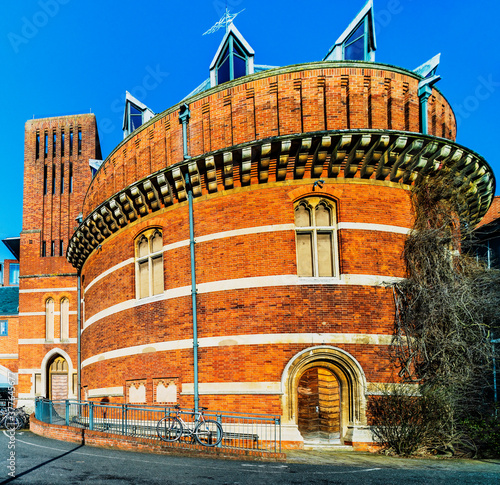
column 184, row 115
column 79, row 219
column 79, row 326
column 193, row 293
column 424, row 93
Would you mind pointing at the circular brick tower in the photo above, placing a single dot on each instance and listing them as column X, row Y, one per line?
column 300, row 180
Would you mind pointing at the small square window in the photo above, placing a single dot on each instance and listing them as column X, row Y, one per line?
column 4, row 328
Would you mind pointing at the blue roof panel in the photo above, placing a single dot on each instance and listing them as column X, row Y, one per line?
column 9, row 300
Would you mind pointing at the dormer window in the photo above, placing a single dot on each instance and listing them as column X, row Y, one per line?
column 357, row 42
column 233, row 59
column 233, row 63
column 354, row 46
column 136, row 114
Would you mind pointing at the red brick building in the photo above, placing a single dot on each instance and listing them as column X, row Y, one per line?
column 56, row 177
column 295, row 183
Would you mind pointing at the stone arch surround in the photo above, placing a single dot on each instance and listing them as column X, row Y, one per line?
column 347, row 370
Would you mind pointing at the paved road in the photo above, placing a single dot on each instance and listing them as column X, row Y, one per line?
column 43, row 461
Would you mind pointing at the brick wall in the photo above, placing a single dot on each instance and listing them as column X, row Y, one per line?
column 315, row 97
column 298, row 309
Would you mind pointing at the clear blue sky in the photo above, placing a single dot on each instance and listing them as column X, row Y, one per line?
column 64, row 57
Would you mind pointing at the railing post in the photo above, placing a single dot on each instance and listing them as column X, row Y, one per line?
column 219, row 420
column 51, row 406
column 91, row 416
column 124, row 419
column 279, row 434
column 67, row 412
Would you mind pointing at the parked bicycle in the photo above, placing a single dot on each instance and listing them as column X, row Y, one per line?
column 206, row 432
column 13, row 418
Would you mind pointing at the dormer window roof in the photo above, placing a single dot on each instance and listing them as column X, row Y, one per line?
column 428, row 69
column 357, row 42
column 233, row 59
column 135, row 115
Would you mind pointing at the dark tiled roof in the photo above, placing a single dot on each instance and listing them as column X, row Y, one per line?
column 9, row 300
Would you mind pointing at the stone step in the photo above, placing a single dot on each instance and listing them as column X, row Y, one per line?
column 327, row 447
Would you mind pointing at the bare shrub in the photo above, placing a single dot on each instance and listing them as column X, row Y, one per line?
column 445, row 310
column 407, row 424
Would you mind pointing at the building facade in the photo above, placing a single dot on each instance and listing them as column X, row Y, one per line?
column 236, row 250
column 295, row 183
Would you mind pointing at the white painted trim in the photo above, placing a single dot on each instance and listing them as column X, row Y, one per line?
column 369, row 280
column 106, row 391
column 47, row 290
column 251, row 282
column 176, row 245
column 9, row 356
column 242, row 283
column 29, row 371
column 360, row 226
column 39, row 314
column 40, row 341
column 245, row 232
column 224, row 388
column 253, row 339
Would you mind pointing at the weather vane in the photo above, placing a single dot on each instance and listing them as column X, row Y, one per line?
column 225, row 21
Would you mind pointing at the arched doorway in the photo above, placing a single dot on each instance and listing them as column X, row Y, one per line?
column 324, row 394
column 318, row 404
column 58, row 378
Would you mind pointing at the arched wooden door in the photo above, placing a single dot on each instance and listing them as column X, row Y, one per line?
column 319, row 405
column 58, row 379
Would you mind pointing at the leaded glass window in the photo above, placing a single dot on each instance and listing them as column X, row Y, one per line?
column 315, row 229
column 149, row 264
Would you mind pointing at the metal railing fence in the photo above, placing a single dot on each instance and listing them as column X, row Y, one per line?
column 243, row 431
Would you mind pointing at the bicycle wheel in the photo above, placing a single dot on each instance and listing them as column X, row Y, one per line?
column 11, row 421
column 169, row 429
column 208, row 433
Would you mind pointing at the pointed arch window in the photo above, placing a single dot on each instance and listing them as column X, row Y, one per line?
column 316, row 237
column 49, row 319
column 149, row 263
column 64, row 319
